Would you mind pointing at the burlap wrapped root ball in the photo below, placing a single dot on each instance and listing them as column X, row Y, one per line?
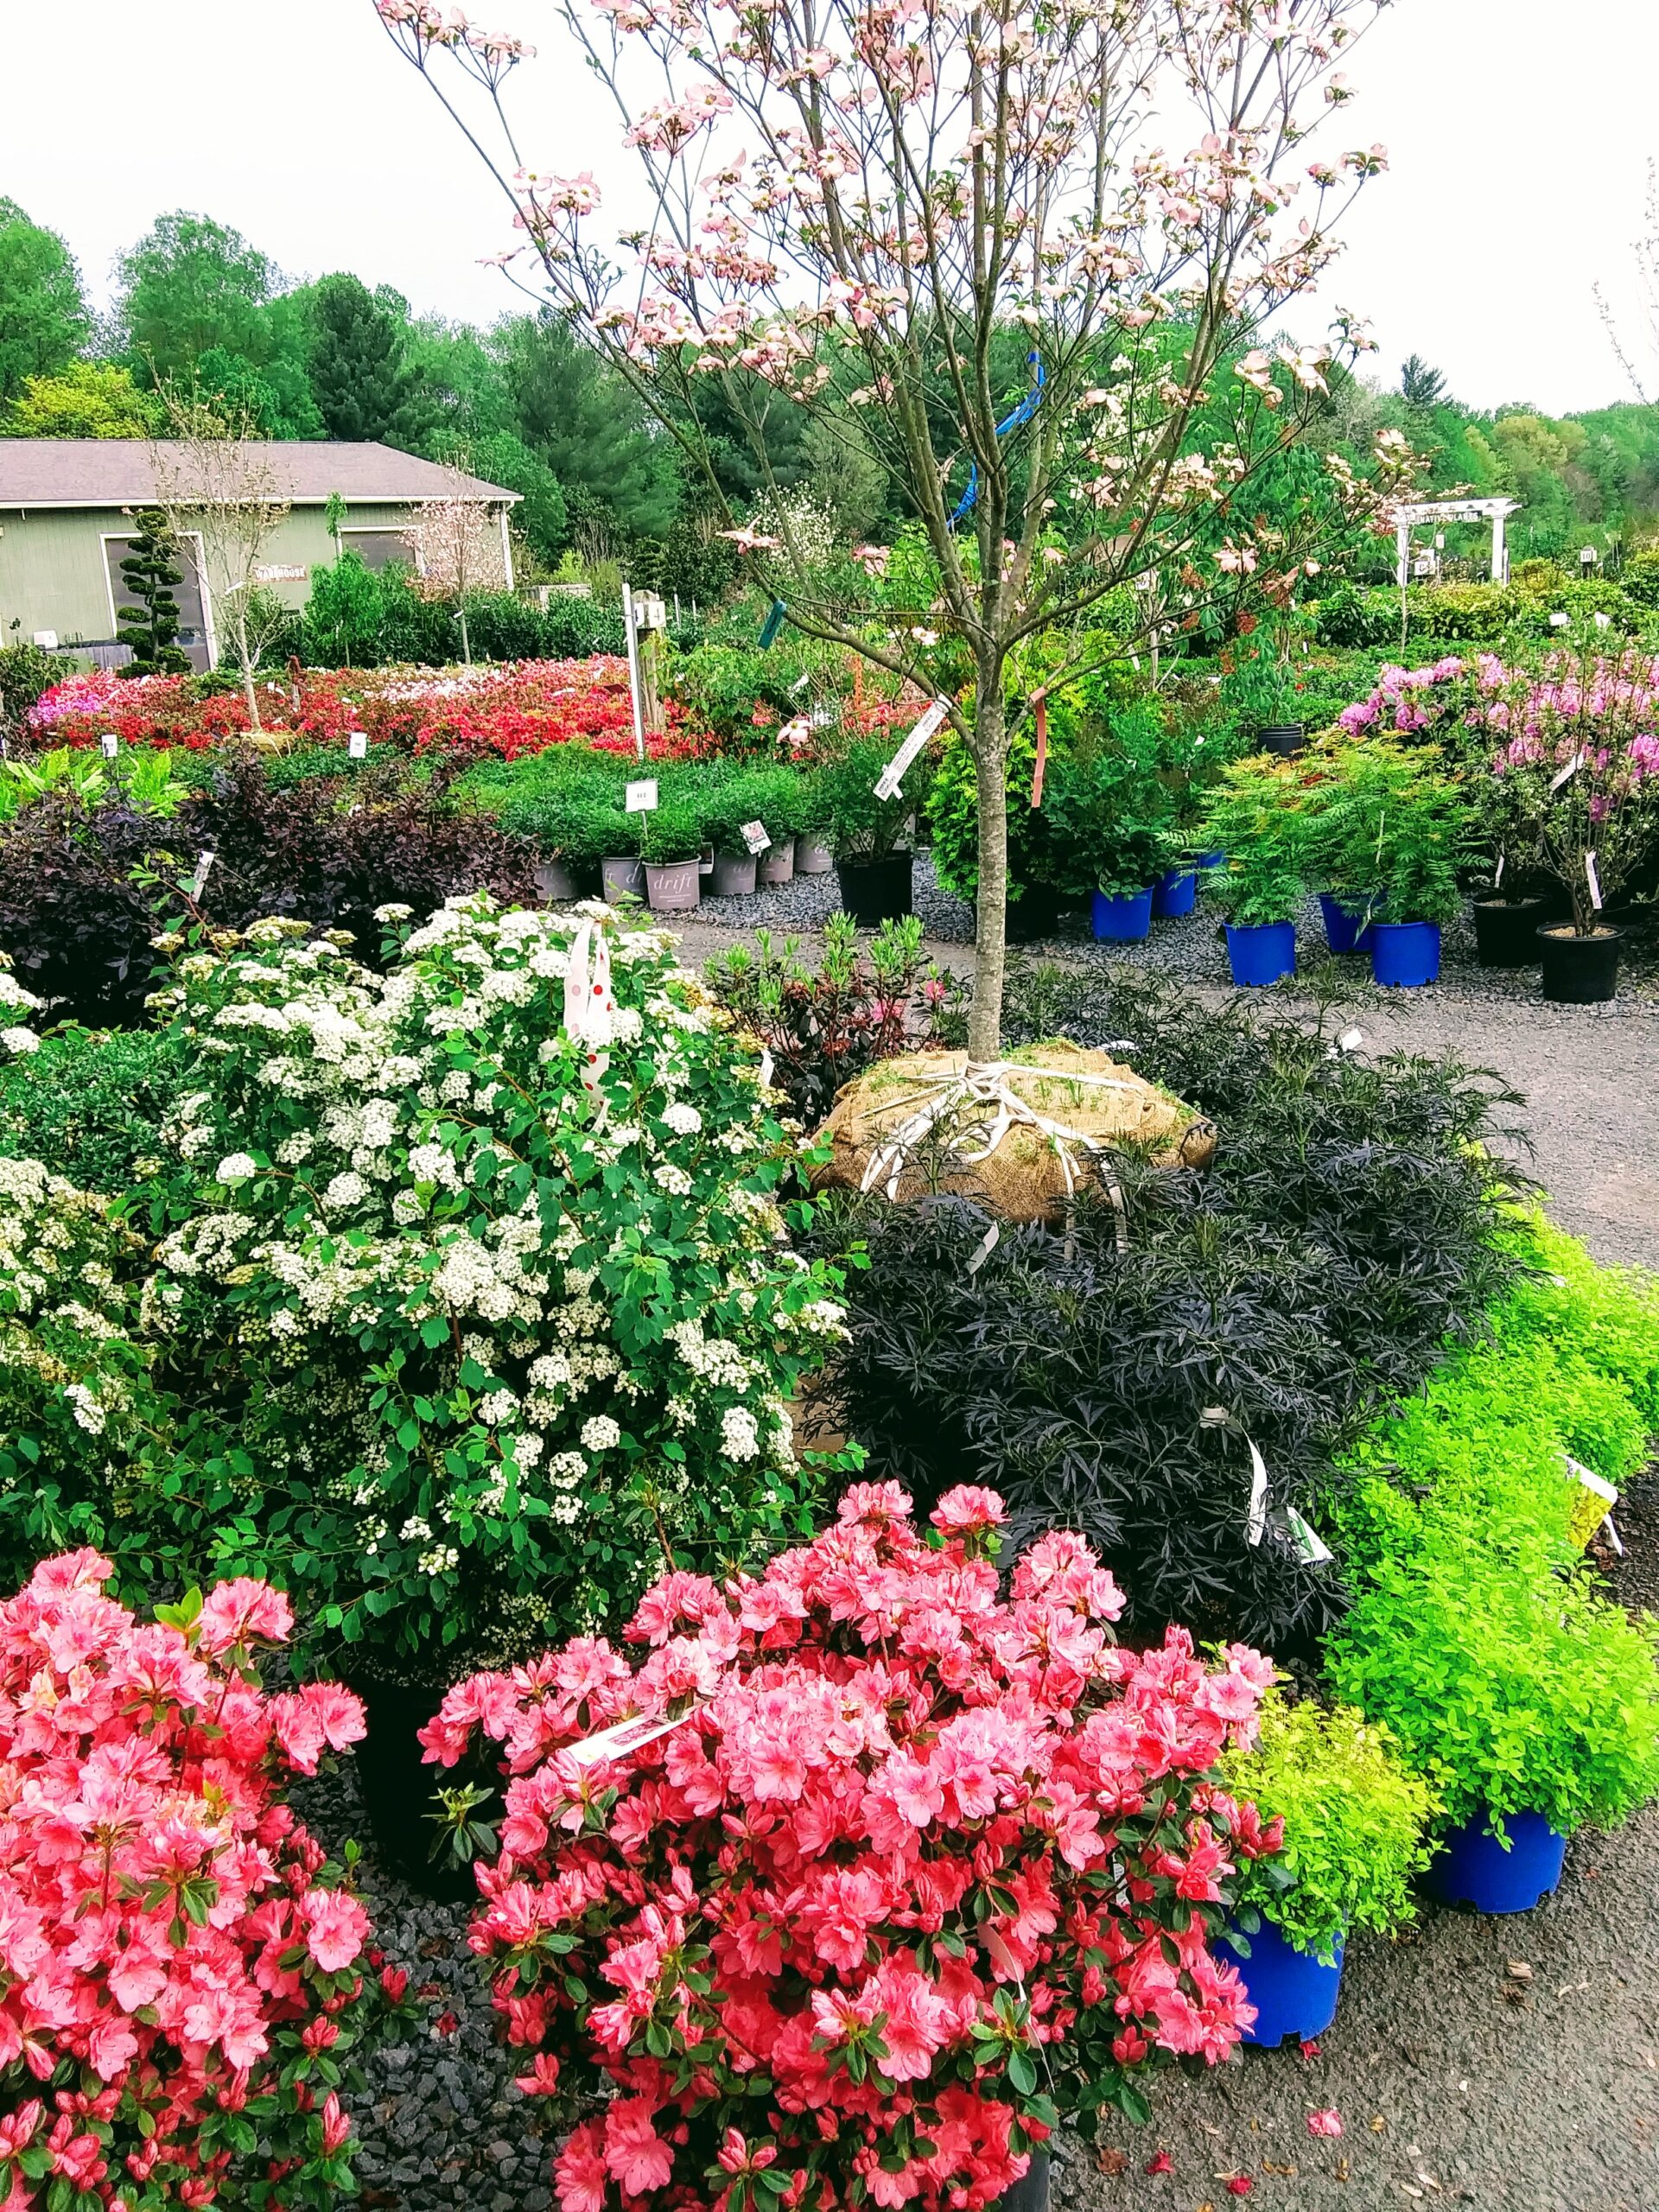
column 923, row 1123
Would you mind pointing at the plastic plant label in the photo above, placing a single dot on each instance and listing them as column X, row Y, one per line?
column 641, row 797
column 1566, row 775
column 893, row 775
column 357, row 746
column 1557, row 621
column 1497, row 873
column 1256, row 1525
column 982, row 1251
column 1593, row 880
column 108, row 744
column 623, row 1736
column 754, row 834
column 1594, row 1503
column 1309, row 1546
column 204, row 868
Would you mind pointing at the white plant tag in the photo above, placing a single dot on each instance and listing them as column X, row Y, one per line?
column 357, row 746
column 1593, row 880
column 1566, row 775
column 754, row 834
column 641, row 797
column 108, row 744
column 982, row 1251
column 1588, row 1479
column 1255, row 1527
column 198, row 880
column 894, row 774
column 1557, row 621
column 1310, row 1546
column 623, row 1736
column 1604, row 621
column 1497, row 873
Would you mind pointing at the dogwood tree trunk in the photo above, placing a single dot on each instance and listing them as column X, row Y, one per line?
column 991, row 909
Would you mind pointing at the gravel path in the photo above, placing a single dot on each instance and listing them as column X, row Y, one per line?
column 1458, row 2079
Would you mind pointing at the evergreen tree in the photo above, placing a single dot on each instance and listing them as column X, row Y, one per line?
column 363, row 383
column 574, row 410
column 148, row 575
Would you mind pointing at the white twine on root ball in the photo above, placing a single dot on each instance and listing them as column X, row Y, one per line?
column 997, row 1107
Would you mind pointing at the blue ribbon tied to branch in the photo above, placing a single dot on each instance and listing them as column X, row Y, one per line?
column 1015, row 421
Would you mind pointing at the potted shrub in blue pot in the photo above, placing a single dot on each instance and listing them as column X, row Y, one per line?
column 1254, row 816
column 1354, row 1818
column 1528, row 1701
column 1121, row 903
column 1416, row 826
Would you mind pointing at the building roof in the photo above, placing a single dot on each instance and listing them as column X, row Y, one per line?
column 122, row 472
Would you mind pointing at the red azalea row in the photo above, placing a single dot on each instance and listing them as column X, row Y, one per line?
column 506, row 709
column 181, row 1971
column 914, row 1870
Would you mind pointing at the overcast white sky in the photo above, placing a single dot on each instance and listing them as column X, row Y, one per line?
column 1519, row 134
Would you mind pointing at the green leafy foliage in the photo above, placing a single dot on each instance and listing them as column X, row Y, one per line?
column 1255, row 815
column 1354, row 1819
column 150, row 576
column 1387, row 832
column 861, row 825
column 90, row 1105
column 672, row 832
column 44, row 317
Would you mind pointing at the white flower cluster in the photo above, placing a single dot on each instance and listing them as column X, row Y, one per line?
column 575, row 1262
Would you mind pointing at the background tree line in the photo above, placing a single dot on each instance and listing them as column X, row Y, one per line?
column 526, row 404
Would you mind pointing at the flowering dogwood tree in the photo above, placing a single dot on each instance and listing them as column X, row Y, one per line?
column 856, row 203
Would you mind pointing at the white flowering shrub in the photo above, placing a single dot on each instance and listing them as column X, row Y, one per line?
column 487, row 1323
column 79, row 1415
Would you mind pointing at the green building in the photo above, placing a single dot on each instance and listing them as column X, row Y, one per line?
column 65, row 520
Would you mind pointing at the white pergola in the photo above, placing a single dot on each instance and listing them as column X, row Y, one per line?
column 1497, row 511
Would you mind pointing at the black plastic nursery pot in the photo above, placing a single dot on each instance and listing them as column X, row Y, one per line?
column 1579, row 970
column 399, row 1790
column 1287, row 739
column 1506, row 931
column 1030, row 2192
column 1032, row 916
column 876, row 891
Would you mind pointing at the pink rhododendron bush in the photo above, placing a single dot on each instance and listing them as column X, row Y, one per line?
column 912, row 1870
column 182, row 1978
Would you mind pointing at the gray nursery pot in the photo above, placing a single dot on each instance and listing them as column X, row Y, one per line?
column 733, row 876
column 556, row 880
column 777, row 864
column 623, row 875
column 812, row 856
column 673, row 886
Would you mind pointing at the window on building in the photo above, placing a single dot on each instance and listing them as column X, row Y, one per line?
column 379, row 549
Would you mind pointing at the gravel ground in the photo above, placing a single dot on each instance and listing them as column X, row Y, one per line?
column 1458, row 2079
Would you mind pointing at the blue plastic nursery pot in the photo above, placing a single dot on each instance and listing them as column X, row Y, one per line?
column 1471, row 1866
column 1407, row 953
column 1261, row 952
column 1175, row 892
column 1293, row 1994
column 1345, row 932
column 1122, row 921
column 1211, row 860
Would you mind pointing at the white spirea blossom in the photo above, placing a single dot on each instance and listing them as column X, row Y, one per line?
column 601, row 1434
column 236, row 1167
column 684, row 1120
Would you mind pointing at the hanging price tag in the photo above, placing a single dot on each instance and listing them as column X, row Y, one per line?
column 1593, row 880
column 108, row 744
column 357, row 746
column 894, row 774
column 754, row 834
column 198, row 880
column 642, row 797
column 1041, row 762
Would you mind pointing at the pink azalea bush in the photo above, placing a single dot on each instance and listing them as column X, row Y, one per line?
column 917, row 1868
column 1428, row 703
column 182, row 1975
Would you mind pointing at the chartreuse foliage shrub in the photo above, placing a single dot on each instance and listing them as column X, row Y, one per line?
column 1113, row 1380
column 926, row 1868
column 467, row 1312
column 1354, row 1819
column 1478, row 1636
